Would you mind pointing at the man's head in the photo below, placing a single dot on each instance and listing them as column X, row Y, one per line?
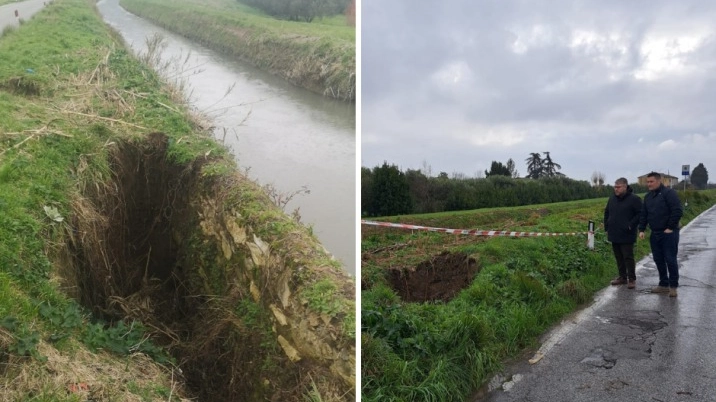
column 620, row 186
column 653, row 181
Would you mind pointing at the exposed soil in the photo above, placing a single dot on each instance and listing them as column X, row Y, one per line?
column 439, row 278
column 130, row 262
column 21, row 86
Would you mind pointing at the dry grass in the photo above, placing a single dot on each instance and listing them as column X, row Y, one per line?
column 88, row 376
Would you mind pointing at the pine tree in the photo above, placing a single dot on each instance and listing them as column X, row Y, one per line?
column 512, row 168
column 549, row 167
column 534, row 165
column 498, row 169
column 390, row 192
column 700, row 177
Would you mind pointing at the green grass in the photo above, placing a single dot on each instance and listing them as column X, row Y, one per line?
column 444, row 351
column 58, row 74
column 319, row 56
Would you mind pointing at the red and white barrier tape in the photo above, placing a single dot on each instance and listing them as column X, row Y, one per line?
column 473, row 232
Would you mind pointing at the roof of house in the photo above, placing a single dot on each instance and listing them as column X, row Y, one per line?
column 663, row 175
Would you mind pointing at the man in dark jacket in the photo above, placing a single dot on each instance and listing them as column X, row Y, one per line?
column 621, row 217
column 662, row 211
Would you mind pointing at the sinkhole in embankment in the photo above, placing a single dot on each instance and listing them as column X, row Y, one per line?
column 440, row 277
column 133, row 259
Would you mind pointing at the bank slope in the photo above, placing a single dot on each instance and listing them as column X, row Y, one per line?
column 136, row 263
column 318, row 56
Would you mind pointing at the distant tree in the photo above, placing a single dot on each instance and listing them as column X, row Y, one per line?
column 458, row 175
column 419, row 191
column 366, row 189
column 443, row 175
column 534, row 166
column 549, row 167
column 498, row 169
column 512, row 169
column 426, row 169
column 700, row 177
column 598, row 179
column 390, row 192
column 300, row 10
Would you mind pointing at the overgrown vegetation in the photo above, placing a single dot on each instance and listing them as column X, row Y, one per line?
column 385, row 190
column 301, row 10
column 100, row 298
column 319, row 56
column 444, row 350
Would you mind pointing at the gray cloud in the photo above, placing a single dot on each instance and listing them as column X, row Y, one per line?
column 610, row 86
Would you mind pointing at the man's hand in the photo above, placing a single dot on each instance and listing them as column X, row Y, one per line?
column 641, row 235
column 668, row 231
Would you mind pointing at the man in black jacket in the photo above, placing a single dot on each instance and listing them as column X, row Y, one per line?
column 621, row 217
column 662, row 211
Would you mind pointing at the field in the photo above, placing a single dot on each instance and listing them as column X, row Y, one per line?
column 441, row 313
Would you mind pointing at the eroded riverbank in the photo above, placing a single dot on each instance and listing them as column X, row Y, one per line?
column 285, row 136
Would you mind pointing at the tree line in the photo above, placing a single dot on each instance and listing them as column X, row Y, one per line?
column 386, row 190
column 301, row 10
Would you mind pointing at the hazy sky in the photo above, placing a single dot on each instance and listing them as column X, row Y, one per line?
column 619, row 87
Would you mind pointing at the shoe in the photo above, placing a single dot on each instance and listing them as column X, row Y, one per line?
column 672, row 292
column 631, row 284
column 619, row 281
column 660, row 289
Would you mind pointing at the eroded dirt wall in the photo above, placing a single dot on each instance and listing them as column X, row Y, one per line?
column 175, row 248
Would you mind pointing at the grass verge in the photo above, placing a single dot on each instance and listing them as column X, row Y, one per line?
column 444, row 349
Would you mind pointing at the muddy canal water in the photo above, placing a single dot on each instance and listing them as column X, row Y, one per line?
column 286, row 136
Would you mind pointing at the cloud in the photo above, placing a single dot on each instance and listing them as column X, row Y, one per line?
column 614, row 86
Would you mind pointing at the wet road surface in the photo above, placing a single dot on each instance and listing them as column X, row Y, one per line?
column 25, row 10
column 632, row 345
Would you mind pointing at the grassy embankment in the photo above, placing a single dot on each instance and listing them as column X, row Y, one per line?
column 444, row 351
column 48, row 88
column 72, row 100
column 319, row 56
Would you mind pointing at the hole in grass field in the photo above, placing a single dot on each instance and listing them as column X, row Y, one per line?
column 21, row 86
column 131, row 262
column 439, row 278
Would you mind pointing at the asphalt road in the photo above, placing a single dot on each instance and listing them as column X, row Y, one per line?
column 25, row 10
column 632, row 345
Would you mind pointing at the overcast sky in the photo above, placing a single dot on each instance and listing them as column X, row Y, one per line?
column 618, row 87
